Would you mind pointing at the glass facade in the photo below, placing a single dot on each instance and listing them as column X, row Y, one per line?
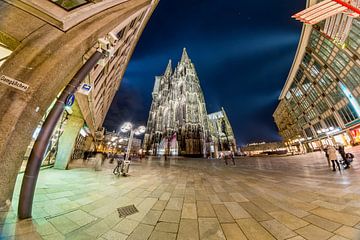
column 70, row 4
column 324, row 92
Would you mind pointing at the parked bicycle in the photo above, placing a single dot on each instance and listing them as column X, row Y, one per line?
column 122, row 167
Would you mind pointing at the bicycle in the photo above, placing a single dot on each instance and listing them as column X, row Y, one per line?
column 119, row 167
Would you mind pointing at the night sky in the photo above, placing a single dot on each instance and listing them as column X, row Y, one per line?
column 242, row 51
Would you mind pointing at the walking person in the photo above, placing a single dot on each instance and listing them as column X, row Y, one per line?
column 232, row 157
column 326, row 154
column 331, row 151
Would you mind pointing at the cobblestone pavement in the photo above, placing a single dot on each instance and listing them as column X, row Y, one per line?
column 296, row 197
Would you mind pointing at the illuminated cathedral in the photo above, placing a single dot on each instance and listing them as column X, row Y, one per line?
column 178, row 122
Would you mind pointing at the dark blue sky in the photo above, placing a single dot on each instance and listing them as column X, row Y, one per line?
column 242, row 51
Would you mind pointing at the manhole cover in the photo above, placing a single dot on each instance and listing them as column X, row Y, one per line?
column 127, row 210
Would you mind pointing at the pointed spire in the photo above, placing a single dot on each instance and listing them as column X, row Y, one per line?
column 168, row 70
column 184, row 56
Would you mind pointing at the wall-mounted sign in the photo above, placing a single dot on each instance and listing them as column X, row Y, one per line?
column 70, row 100
column 85, row 89
column 14, row 83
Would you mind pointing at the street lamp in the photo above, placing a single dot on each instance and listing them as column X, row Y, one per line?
column 129, row 127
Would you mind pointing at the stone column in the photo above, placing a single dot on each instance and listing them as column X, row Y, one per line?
column 67, row 141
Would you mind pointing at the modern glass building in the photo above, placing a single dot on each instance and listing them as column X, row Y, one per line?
column 319, row 103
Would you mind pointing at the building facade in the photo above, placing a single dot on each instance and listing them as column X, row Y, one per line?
column 178, row 118
column 319, row 103
column 43, row 44
column 178, row 122
column 221, row 132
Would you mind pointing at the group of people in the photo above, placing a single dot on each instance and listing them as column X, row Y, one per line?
column 227, row 156
column 331, row 156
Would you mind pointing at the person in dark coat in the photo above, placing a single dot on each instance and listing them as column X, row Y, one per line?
column 341, row 150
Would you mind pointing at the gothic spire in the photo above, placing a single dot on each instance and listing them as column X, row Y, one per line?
column 184, row 56
column 168, row 70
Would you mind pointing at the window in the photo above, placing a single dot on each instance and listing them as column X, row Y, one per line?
column 306, row 85
column 288, row 95
column 314, row 38
column 325, row 81
column 353, row 77
column 298, row 93
column 315, row 69
column 305, row 104
column 311, row 114
column 70, row 4
column 340, row 61
column 321, row 106
column 133, row 23
column 317, row 126
column 297, row 111
column 301, row 121
column 120, row 34
column 4, row 53
column 306, row 59
column 347, row 114
column 325, row 49
column 354, row 35
column 308, row 132
column 336, row 95
column 299, row 74
column 331, row 122
column 313, row 94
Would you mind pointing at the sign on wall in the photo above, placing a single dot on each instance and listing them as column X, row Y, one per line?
column 85, row 88
column 14, row 83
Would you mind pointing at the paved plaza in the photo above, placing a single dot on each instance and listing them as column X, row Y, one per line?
column 296, row 197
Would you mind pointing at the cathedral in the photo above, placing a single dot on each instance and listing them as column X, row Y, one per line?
column 178, row 122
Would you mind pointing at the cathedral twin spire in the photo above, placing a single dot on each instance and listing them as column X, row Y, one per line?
column 184, row 58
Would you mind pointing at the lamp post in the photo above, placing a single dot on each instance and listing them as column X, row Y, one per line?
column 126, row 127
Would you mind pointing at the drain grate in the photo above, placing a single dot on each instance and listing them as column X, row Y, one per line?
column 127, row 210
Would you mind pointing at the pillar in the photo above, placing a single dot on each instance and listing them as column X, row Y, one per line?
column 67, row 141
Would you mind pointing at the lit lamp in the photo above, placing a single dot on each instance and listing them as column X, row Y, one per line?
column 129, row 127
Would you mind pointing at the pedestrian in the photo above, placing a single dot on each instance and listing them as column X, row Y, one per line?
column 331, row 151
column 341, row 150
column 232, row 157
column 326, row 154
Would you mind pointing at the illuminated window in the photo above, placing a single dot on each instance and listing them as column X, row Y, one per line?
column 70, row 4
column 317, row 126
column 305, row 104
column 331, row 122
column 315, row 69
column 4, row 53
column 311, row 114
column 347, row 113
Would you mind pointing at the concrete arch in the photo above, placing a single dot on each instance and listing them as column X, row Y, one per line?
column 46, row 59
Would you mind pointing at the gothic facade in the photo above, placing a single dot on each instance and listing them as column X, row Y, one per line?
column 177, row 120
